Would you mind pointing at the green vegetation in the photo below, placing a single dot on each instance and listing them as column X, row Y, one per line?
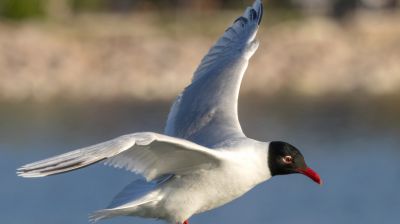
column 32, row 9
column 87, row 5
column 22, row 9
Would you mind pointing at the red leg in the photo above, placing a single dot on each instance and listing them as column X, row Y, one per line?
column 186, row 222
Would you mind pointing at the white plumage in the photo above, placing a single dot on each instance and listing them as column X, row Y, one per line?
column 204, row 160
column 146, row 153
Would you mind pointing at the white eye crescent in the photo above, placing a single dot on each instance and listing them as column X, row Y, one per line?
column 287, row 159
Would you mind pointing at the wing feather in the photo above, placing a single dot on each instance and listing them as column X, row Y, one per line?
column 146, row 153
column 206, row 111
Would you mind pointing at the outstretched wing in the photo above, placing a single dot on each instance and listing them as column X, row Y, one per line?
column 206, row 111
column 146, row 153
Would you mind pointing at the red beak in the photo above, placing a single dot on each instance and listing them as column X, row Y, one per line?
column 311, row 174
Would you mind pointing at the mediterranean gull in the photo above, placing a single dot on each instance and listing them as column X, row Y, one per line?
column 203, row 160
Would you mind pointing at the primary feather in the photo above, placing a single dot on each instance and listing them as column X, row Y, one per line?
column 149, row 154
column 206, row 111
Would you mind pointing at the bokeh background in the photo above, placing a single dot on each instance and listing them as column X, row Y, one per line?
column 326, row 78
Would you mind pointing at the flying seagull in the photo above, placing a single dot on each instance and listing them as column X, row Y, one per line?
column 203, row 160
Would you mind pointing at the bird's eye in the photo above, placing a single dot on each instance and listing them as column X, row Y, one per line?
column 287, row 159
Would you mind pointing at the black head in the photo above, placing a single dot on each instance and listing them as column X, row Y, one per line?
column 283, row 158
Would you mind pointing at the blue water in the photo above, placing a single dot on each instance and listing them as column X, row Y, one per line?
column 357, row 158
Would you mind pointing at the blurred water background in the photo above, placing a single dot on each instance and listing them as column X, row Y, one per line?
column 326, row 78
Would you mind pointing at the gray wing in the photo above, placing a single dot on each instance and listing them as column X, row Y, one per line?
column 149, row 154
column 137, row 192
column 206, row 111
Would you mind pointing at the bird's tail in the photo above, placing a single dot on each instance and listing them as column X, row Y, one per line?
column 106, row 214
column 101, row 214
column 131, row 199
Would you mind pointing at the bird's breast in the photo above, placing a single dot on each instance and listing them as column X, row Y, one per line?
column 207, row 189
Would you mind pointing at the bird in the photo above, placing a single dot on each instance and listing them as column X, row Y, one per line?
column 203, row 159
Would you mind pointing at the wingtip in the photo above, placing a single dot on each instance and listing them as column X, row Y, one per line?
column 23, row 172
column 253, row 13
column 26, row 175
column 261, row 13
column 258, row 5
column 20, row 172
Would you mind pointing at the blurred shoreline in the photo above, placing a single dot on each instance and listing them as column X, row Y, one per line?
column 326, row 78
column 141, row 56
column 336, row 115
